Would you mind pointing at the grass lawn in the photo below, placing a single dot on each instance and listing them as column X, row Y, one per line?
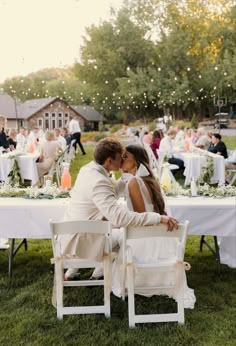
column 28, row 318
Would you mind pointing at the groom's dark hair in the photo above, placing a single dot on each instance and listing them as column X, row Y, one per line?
column 105, row 148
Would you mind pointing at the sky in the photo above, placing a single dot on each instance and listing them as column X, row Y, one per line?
column 36, row 34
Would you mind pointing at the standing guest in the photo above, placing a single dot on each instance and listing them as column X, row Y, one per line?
column 95, row 197
column 217, row 146
column 21, row 139
column 75, row 131
column 12, row 139
column 48, row 155
column 156, row 140
column 60, row 139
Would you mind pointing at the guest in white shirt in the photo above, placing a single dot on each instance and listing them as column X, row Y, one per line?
column 33, row 137
column 21, row 139
column 202, row 141
column 60, row 139
column 75, row 131
column 167, row 148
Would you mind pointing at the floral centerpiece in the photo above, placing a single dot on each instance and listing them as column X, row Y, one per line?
column 34, row 192
column 203, row 190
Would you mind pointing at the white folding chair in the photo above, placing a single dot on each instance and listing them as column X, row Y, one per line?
column 171, row 167
column 153, row 161
column 63, row 262
column 174, row 263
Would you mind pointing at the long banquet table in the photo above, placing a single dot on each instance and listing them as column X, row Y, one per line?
column 27, row 166
column 194, row 163
column 29, row 218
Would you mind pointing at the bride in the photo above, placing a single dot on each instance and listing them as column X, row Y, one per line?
column 143, row 193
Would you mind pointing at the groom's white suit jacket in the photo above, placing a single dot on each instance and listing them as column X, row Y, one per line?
column 95, row 197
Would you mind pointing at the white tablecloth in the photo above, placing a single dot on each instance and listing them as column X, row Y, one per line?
column 194, row 162
column 27, row 165
column 27, row 218
column 210, row 216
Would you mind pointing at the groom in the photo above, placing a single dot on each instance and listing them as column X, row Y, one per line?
column 95, row 197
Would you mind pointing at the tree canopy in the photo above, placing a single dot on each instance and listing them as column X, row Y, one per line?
column 152, row 57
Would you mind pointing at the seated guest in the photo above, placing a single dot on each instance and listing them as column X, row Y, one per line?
column 202, row 139
column 66, row 135
column 21, row 139
column 95, row 197
column 167, row 148
column 60, row 139
column 3, row 139
column 217, row 146
column 156, row 140
column 147, row 137
column 48, row 154
column 12, row 139
column 33, row 137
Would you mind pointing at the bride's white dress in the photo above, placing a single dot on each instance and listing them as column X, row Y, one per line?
column 148, row 251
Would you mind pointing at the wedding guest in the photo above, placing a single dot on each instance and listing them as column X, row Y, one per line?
column 48, row 154
column 217, row 146
column 202, row 141
column 66, row 135
column 156, row 140
column 33, row 137
column 60, row 139
column 12, row 139
column 21, row 139
column 167, row 148
column 3, row 139
column 75, row 132
column 95, row 197
column 147, row 137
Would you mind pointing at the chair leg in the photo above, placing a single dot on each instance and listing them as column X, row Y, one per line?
column 131, row 299
column 107, row 286
column 202, row 242
column 217, row 254
column 59, row 272
column 180, row 299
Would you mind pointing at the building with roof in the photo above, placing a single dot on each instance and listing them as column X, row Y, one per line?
column 47, row 113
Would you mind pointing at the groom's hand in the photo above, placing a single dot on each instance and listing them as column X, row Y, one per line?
column 170, row 222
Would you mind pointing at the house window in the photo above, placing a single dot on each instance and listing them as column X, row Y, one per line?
column 53, row 115
column 40, row 122
column 59, row 115
column 47, row 124
column 66, row 119
column 60, row 124
column 46, row 115
column 53, row 122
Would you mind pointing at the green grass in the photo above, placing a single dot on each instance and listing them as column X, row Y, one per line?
column 28, row 318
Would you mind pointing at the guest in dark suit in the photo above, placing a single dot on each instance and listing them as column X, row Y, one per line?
column 217, row 146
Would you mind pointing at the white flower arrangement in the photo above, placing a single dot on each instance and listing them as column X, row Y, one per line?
column 203, row 190
column 6, row 190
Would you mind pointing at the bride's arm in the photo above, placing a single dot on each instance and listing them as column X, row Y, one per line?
column 136, row 196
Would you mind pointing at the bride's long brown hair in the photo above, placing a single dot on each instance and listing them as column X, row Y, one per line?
column 141, row 156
